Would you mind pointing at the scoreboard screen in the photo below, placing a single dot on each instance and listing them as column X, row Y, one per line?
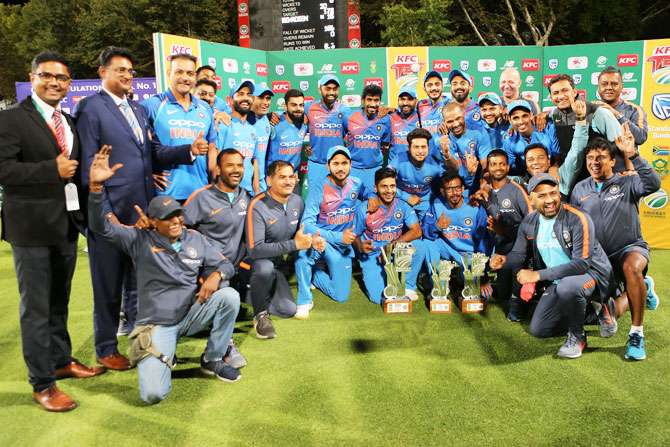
column 308, row 24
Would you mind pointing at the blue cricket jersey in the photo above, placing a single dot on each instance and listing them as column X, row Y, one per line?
column 364, row 138
column 466, row 232
column 431, row 115
column 174, row 126
column 286, row 140
column 400, row 127
column 515, row 145
column 384, row 225
column 420, row 182
column 496, row 134
column 325, row 128
column 263, row 130
column 240, row 135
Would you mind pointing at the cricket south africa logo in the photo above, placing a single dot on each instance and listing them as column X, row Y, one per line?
column 660, row 65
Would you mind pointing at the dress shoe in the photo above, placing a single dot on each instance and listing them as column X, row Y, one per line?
column 76, row 369
column 115, row 361
column 53, row 399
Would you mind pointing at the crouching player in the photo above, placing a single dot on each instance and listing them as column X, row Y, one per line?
column 452, row 229
column 561, row 241
column 612, row 202
column 385, row 226
column 169, row 263
column 330, row 207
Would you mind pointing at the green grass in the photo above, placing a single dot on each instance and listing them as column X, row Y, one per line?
column 350, row 375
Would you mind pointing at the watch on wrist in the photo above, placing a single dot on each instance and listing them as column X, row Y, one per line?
column 634, row 156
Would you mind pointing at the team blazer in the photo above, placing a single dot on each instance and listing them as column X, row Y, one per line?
column 100, row 121
column 33, row 212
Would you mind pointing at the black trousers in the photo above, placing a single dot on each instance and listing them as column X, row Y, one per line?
column 269, row 288
column 44, row 275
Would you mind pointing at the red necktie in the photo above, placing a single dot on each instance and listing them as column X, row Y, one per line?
column 60, row 130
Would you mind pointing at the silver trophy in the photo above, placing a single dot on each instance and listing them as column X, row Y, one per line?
column 402, row 262
column 441, row 274
column 472, row 275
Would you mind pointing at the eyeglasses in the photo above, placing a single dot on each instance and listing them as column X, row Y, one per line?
column 124, row 71
column 46, row 77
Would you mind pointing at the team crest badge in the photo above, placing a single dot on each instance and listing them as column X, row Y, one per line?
column 353, row 196
column 487, row 81
column 440, row 110
column 201, row 115
column 279, row 69
column 465, row 65
column 467, row 221
column 253, row 136
column 243, row 204
column 301, row 134
column 304, row 85
column 577, row 78
column 566, row 236
column 428, row 179
column 267, row 129
column 472, row 145
column 614, row 189
column 506, row 203
column 553, row 64
column 476, row 116
column 378, row 127
column 339, row 116
column 295, row 212
column 191, row 252
column 398, row 215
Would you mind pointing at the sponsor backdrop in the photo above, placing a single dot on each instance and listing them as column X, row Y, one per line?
column 143, row 88
column 645, row 66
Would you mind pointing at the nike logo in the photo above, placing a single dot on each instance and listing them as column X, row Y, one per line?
column 284, row 136
column 530, row 238
column 170, row 112
column 216, row 211
column 582, row 345
column 584, row 198
column 167, row 203
column 375, row 221
column 273, row 221
column 156, row 249
column 236, row 134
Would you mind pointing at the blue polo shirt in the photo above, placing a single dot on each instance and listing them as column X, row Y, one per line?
column 175, row 125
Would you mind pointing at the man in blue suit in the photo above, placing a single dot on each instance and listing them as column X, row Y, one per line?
column 109, row 118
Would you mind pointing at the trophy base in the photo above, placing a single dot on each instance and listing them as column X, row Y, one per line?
column 440, row 306
column 398, row 306
column 473, row 305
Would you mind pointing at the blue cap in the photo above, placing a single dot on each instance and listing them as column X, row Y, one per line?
column 325, row 79
column 543, row 177
column 338, row 150
column 238, row 86
column 260, row 90
column 464, row 75
column 407, row 91
column 433, row 74
column 518, row 104
column 491, row 97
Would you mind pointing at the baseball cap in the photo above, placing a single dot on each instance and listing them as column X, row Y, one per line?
column 325, row 79
column 433, row 74
column 518, row 104
column 260, row 90
column 238, row 86
column 537, row 179
column 491, row 97
column 456, row 72
column 161, row 207
column 338, row 150
column 407, row 91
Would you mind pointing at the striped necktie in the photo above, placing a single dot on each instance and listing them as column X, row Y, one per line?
column 125, row 108
column 60, row 130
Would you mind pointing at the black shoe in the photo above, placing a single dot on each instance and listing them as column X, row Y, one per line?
column 219, row 369
column 263, row 326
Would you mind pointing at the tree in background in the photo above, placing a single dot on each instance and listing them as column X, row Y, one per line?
column 428, row 24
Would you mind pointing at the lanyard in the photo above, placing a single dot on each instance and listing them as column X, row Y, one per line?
column 50, row 125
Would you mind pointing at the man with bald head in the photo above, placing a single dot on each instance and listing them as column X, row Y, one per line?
column 510, row 83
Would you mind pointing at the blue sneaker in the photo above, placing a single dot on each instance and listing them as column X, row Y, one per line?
column 652, row 298
column 219, row 369
column 635, row 347
column 515, row 314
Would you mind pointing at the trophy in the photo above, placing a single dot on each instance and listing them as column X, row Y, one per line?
column 395, row 300
column 471, row 300
column 439, row 296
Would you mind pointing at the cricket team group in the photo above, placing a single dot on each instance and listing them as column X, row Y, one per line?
column 191, row 204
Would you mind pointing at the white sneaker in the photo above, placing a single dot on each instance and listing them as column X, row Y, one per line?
column 302, row 311
column 412, row 295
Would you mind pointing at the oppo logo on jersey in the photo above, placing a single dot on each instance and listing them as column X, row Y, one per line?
column 186, row 123
column 290, row 147
column 457, row 232
column 246, row 148
column 328, row 130
column 191, row 261
column 184, row 129
column 340, row 216
column 387, row 233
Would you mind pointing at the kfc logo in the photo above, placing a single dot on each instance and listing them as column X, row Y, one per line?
column 261, row 69
column 350, row 68
column 280, row 86
column 442, row 65
column 179, row 49
column 530, row 64
column 546, row 79
column 627, row 60
column 405, row 64
column 376, row 81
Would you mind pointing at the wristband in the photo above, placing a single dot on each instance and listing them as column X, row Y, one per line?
column 634, row 156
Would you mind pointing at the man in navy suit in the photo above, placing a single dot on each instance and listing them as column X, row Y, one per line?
column 109, row 118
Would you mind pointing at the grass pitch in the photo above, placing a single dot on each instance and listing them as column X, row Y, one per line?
column 352, row 376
